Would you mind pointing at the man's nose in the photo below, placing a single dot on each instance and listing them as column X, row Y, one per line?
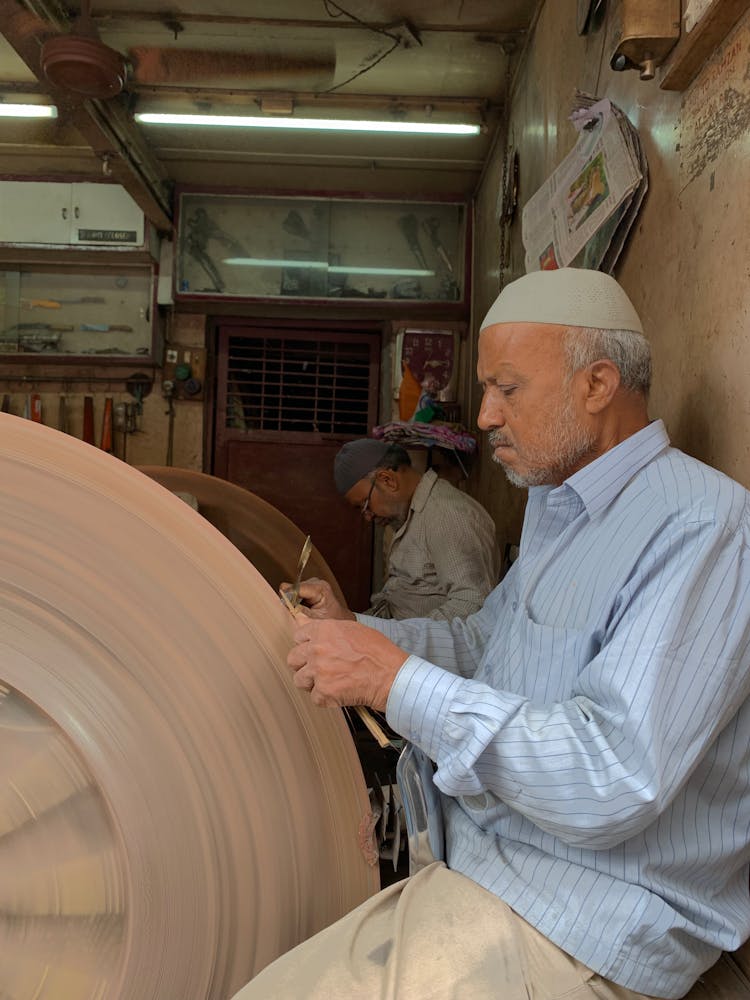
column 490, row 414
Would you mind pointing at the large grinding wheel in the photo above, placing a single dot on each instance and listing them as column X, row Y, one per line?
column 173, row 813
column 262, row 533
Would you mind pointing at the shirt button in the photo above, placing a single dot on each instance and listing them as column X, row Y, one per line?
column 514, row 606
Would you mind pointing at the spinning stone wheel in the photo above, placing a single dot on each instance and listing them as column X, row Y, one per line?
column 173, row 813
column 262, row 533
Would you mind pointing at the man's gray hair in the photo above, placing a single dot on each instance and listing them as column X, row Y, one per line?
column 629, row 351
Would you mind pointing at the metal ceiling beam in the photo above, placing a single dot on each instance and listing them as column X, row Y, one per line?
column 385, row 102
column 170, row 21
column 230, row 95
column 106, row 126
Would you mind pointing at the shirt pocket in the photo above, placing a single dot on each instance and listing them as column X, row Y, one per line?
column 543, row 662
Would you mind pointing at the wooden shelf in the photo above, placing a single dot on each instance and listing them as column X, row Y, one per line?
column 695, row 47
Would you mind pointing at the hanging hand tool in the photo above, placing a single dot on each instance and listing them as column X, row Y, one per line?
column 295, row 225
column 34, row 407
column 57, row 303
column 410, row 228
column 22, row 328
column 106, row 328
column 431, row 227
column 106, row 440
column 88, row 419
column 62, row 414
column 131, row 426
column 200, row 228
column 40, row 304
column 124, row 423
column 167, row 388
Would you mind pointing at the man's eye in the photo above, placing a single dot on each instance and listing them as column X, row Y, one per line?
column 507, row 390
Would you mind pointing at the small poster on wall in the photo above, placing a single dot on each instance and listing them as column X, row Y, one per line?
column 432, row 358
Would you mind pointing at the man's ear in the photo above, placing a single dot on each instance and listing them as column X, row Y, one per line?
column 388, row 480
column 602, row 382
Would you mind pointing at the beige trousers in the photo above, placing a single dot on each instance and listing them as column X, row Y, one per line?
column 434, row 936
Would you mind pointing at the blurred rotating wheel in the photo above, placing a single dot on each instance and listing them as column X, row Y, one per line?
column 174, row 814
column 259, row 530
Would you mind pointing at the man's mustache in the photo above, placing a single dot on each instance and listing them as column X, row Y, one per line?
column 499, row 440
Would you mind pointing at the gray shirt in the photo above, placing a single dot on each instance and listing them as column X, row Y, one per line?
column 443, row 560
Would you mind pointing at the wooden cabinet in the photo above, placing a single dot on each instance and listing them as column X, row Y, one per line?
column 54, row 213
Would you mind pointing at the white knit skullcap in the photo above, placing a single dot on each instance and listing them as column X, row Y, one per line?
column 570, row 296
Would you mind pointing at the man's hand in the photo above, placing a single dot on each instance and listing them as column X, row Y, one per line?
column 320, row 601
column 344, row 663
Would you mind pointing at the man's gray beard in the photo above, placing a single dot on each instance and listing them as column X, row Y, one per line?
column 569, row 443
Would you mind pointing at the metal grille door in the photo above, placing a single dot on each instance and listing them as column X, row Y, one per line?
column 298, row 385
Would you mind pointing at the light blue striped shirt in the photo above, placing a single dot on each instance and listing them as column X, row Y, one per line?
column 591, row 724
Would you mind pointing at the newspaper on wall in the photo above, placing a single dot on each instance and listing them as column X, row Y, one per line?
column 583, row 212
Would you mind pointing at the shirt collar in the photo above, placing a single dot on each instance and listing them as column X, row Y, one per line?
column 601, row 481
column 424, row 488
column 418, row 500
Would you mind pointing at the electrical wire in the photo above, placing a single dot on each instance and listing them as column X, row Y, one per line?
column 335, row 10
column 341, row 12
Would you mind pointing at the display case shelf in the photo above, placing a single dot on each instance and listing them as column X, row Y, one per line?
column 100, row 314
column 233, row 246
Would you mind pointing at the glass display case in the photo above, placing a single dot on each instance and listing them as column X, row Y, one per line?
column 102, row 312
column 247, row 246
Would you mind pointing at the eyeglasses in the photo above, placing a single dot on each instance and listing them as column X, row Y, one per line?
column 366, row 505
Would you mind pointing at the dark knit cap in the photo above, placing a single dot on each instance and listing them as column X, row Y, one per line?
column 356, row 460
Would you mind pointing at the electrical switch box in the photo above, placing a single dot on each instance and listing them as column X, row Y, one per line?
column 185, row 369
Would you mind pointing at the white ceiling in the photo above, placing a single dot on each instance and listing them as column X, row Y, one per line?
column 449, row 62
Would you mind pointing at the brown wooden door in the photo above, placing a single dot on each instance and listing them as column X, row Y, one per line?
column 287, row 399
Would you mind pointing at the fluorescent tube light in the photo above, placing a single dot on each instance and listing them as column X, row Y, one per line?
column 320, row 265
column 27, row 111
column 314, row 124
column 405, row 272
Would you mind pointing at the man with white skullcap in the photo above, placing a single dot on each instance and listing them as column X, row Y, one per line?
column 590, row 726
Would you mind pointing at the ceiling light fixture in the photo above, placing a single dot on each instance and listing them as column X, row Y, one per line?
column 27, row 111
column 314, row 124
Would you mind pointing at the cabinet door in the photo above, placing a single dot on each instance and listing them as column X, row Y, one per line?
column 35, row 212
column 105, row 214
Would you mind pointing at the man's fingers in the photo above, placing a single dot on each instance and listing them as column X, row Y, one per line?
column 296, row 658
column 322, row 700
column 313, row 589
column 303, row 631
column 304, row 679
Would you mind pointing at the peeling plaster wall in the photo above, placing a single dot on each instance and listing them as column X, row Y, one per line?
column 687, row 262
